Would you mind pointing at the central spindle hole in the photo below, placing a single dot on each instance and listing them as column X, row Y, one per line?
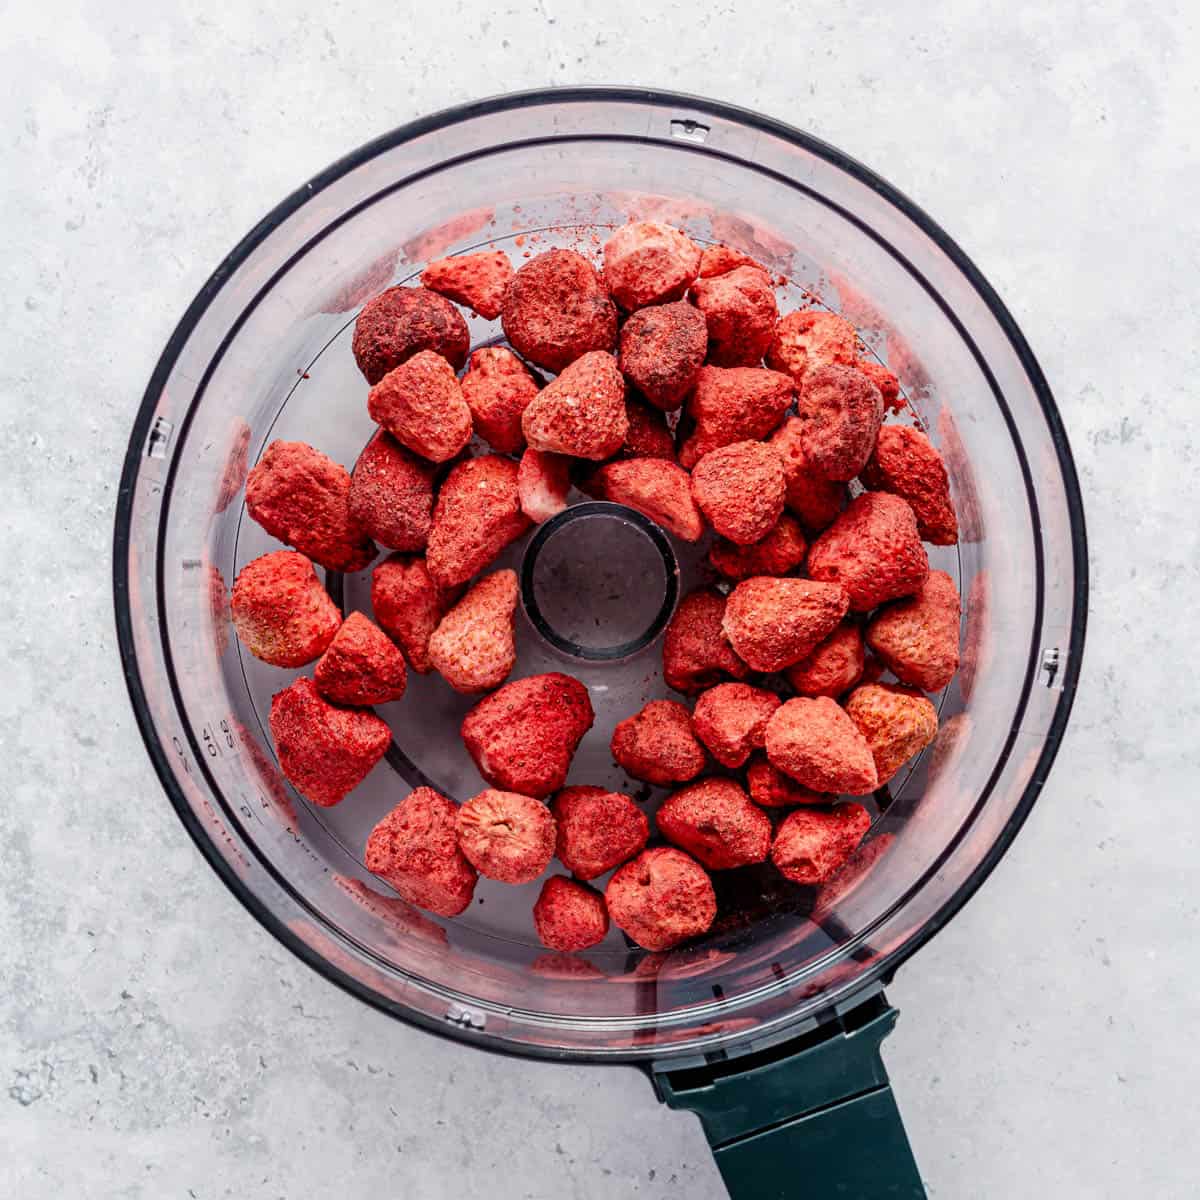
column 599, row 581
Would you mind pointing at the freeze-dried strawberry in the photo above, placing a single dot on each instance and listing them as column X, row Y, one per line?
column 714, row 820
column 403, row 321
column 772, row 623
column 557, row 308
column 810, row 339
column 731, row 720
column 818, row 745
column 281, row 610
column 569, row 916
column 473, row 648
column 740, row 489
column 325, row 751
column 917, row 638
column 478, row 512
column 415, row 850
column 840, row 411
column 657, row 744
column 654, row 487
column 812, row 845
column 896, row 721
column 873, row 551
column 734, row 404
column 906, row 463
column 421, row 405
column 476, row 280
column 696, row 649
column 740, row 312
column 662, row 898
column 662, row 350
column 302, row 497
column 408, row 605
column 597, row 830
column 582, row 413
column 646, row 262
column 362, row 665
column 834, row 667
column 498, row 388
column 543, row 482
column 523, row 736
column 506, row 836
column 779, row 553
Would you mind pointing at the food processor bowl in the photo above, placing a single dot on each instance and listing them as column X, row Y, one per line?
column 263, row 353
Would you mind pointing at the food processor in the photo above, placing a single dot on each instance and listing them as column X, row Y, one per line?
column 769, row 1027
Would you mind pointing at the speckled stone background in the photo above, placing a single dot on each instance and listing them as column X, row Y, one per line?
column 154, row 1042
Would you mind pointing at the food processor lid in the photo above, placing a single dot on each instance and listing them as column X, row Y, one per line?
column 1053, row 669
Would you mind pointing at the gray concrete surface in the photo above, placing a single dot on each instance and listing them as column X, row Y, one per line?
column 154, row 1042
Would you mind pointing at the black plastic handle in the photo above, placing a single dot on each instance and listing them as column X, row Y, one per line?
column 812, row 1118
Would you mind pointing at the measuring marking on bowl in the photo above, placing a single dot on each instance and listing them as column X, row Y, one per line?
column 770, row 1030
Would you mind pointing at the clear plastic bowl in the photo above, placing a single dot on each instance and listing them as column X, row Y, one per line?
column 264, row 353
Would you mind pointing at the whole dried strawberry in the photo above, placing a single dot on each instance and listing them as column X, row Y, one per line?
column 498, row 388
column 506, row 836
column 717, row 259
column 402, row 322
column 905, row 462
column 478, row 512
column 812, row 845
column 473, row 648
column 597, row 830
column 714, row 820
column 281, row 611
column 696, row 649
column 324, row 751
column 646, row 262
column 840, row 411
column 773, row 623
column 734, row 404
column 302, row 497
column 557, row 308
column 569, row 916
column 421, row 405
column 476, row 280
column 391, row 494
column 657, row 744
column 523, row 736
column 740, row 313
column 834, row 667
column 917, row 638
column 771, row 788
column 809, row 339
column 662, row 351
column 362, row 665
column 415, row 850
column 819, row 746
column 740, row 489
column 817, row 501
column 408, row 605
column 896, row 721
column 649, row 434
column 654, row 487
column 873, row 551
column 731, row 720
column 543, row 483
column 779, row 553
column 662, row 898
column 582, row 412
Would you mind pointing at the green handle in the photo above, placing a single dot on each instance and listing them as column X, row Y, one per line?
column 807, row 1121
